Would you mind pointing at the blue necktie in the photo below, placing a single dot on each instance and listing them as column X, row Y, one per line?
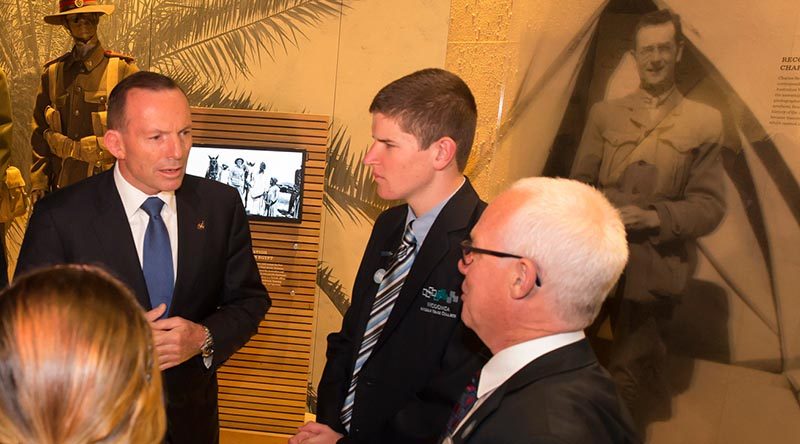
column 157, row 256
column 388, row 291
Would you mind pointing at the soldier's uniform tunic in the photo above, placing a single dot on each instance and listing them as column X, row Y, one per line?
column 69, row 117
column 660, row 154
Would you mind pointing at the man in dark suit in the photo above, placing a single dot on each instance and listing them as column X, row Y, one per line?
column 214, row 300
column 398, row 365
column 539, row 264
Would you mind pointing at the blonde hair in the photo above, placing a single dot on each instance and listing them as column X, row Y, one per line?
column 76, row 361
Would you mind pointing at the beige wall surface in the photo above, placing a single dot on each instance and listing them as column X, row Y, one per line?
column 535, row 68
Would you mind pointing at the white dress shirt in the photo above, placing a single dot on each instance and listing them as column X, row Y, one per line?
column 132, row 200
column 502, row 366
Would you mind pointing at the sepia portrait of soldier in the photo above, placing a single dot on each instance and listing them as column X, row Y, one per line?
column 69, row 118
column 656, row 155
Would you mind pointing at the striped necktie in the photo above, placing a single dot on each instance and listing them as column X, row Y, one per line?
column 388, row 291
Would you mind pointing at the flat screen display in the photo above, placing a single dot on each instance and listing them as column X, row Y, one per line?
column 269, row 180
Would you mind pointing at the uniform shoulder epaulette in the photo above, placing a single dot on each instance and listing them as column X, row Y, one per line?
column 57, row 59
column 118, row 55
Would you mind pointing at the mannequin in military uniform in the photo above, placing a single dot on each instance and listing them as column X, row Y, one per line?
column 5, row 153
column 70, row 112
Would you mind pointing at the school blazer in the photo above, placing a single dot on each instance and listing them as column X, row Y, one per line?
column 425, row 355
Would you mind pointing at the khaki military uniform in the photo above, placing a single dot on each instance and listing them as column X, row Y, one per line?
column 6, row 130
column 663, row 156
column 659, row 154
column 69, row 117
column 6, row 139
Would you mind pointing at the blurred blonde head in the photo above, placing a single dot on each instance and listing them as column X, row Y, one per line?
column 76, row 362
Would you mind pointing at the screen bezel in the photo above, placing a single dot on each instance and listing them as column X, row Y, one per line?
column 255, row 148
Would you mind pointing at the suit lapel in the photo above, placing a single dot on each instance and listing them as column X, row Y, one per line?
column 568, row 358
column 453, row 217
column 191, row 241
column 484, row 411
column 115, row 239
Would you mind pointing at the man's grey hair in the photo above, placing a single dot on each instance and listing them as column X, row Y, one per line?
column 577, row 240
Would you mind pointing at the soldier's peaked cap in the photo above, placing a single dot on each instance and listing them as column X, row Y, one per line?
column 67, row 7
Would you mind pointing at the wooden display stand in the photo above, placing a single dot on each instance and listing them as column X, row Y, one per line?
column 263, row 387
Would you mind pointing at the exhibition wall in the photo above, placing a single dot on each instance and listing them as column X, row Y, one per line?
column 536, row 68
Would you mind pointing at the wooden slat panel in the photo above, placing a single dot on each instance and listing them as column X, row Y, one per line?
column 245, row 127
column 263, row 386
column 299, row 295
column 289, row 429
column 265, row 139
column 259, row 402
column 287, row 393
column 244, row 142
column 302, row 334
column 267, row 371
column 243, row 115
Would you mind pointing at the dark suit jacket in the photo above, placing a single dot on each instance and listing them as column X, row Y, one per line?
column 425, row 355
column 563, row 397
column 217, row 282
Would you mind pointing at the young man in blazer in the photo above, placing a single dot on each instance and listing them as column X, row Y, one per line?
column 397, row 381
column 540, row 262
column 189, row 262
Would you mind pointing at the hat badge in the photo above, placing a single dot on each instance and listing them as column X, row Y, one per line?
column 78, row 3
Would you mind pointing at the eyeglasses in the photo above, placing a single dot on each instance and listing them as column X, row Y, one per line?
column 467, row 251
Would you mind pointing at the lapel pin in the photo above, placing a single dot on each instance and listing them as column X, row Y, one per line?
column 378, row 276
column 201, row 225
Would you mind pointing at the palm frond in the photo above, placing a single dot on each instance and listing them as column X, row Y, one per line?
column 332, row 287
column 217, row 40
column 129, row 29
column 311, row 398
column 349, row 189
column 212, row 96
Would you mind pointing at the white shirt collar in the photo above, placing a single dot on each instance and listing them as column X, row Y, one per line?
column 509, row 361
column 133, row 198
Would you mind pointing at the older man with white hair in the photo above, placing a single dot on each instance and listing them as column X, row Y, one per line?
column 537, row 268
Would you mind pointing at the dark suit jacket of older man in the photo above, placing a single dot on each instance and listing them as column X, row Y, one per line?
column 562, row 397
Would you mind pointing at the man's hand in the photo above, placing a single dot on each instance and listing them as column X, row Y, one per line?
column 176, row 339
column 636, row 218
column 315, row 433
